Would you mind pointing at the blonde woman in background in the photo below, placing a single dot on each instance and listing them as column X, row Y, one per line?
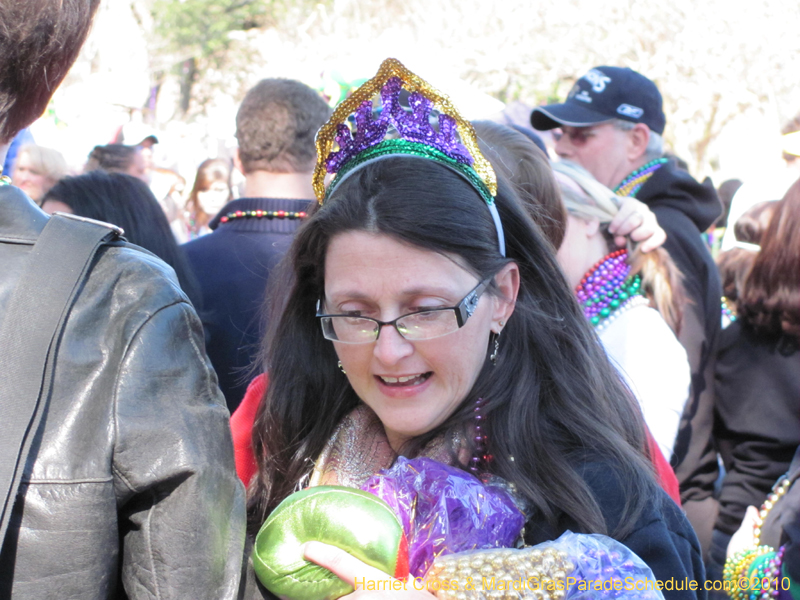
column 37, row 170
column 631, row 298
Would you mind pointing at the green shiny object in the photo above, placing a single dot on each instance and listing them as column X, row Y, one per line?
column 604, row 312
column 595, row 320
column 355, row 521
column 615, row 303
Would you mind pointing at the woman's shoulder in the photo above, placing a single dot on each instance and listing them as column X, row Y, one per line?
column 611, row 491
column 661, row 534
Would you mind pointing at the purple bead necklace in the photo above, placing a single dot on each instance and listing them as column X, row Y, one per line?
column 480, row 458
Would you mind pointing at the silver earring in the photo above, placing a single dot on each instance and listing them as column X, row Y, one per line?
column 341, row 368
column 493, row 355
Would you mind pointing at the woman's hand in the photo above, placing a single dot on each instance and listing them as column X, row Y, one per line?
column 637, row 221
column 744, row 538
column 368, row 581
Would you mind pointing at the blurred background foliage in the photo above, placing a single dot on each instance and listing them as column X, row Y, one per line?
column 725, row 69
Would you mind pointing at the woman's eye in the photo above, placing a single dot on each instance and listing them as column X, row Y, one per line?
column 418, row 309
column 355, row 311
column 427, row 315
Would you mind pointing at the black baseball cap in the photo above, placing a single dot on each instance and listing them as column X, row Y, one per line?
column 605, row 93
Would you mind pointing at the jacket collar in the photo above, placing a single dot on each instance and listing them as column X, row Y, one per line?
column 21, row 221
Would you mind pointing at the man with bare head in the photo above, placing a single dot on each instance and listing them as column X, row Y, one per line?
column 125, row 485
column 612, row 124
column 275, row 126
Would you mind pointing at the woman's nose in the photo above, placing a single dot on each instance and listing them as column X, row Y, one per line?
column 391, row 346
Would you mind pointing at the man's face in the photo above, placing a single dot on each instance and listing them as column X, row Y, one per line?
column 601, row 149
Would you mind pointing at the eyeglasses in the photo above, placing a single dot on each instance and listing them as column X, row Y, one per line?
column 420, row 325
column 577, row 135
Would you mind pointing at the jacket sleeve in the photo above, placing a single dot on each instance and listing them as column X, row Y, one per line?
column 180, row 504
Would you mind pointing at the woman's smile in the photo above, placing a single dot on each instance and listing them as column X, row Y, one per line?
column 404, row 380
column 412, row 385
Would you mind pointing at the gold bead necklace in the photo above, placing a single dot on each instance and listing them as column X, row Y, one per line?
column 778, row 491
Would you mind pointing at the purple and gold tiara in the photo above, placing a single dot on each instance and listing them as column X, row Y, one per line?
column 453, row 144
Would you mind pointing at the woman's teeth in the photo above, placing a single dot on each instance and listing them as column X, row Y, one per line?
column 405, row 380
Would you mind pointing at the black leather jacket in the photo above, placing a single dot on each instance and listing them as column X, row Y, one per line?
column 132, row 492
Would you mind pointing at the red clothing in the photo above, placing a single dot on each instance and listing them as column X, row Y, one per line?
column 664, row 473
column 242, row 425
column 242, row 421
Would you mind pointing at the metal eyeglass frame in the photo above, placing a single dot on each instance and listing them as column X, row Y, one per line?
column 463, row 311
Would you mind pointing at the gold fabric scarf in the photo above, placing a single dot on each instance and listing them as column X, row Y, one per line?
column 359, row 448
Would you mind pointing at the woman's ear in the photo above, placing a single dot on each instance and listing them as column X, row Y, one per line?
column 507, row 281
column 592, row 226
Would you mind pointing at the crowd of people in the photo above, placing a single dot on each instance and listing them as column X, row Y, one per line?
column 560, row 316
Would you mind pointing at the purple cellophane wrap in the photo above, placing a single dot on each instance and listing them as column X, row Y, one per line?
column 445, row 510
column 601, row 561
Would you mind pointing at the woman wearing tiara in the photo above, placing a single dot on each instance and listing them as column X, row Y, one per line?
column 424, row 315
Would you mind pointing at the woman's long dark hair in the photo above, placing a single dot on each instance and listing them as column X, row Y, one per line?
column 127, row 202
column 770, row 299
column 554, row 400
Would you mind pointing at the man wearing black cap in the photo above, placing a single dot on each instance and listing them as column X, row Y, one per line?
column 611, row 123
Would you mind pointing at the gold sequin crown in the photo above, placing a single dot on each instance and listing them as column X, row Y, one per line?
column 453, row 143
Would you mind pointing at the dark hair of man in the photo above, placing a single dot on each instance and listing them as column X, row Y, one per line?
column 39, row 41
column 552, row 396
column 770, row 300
column 527, row 168
column 276, row 125
column 111, row 157
column 209, row 171
column 127, row 202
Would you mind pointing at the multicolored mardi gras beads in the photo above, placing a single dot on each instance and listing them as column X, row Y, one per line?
column 737, row 567
column 607, row 289
column 262, row 214
column 758, row 563
column 634, row 182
